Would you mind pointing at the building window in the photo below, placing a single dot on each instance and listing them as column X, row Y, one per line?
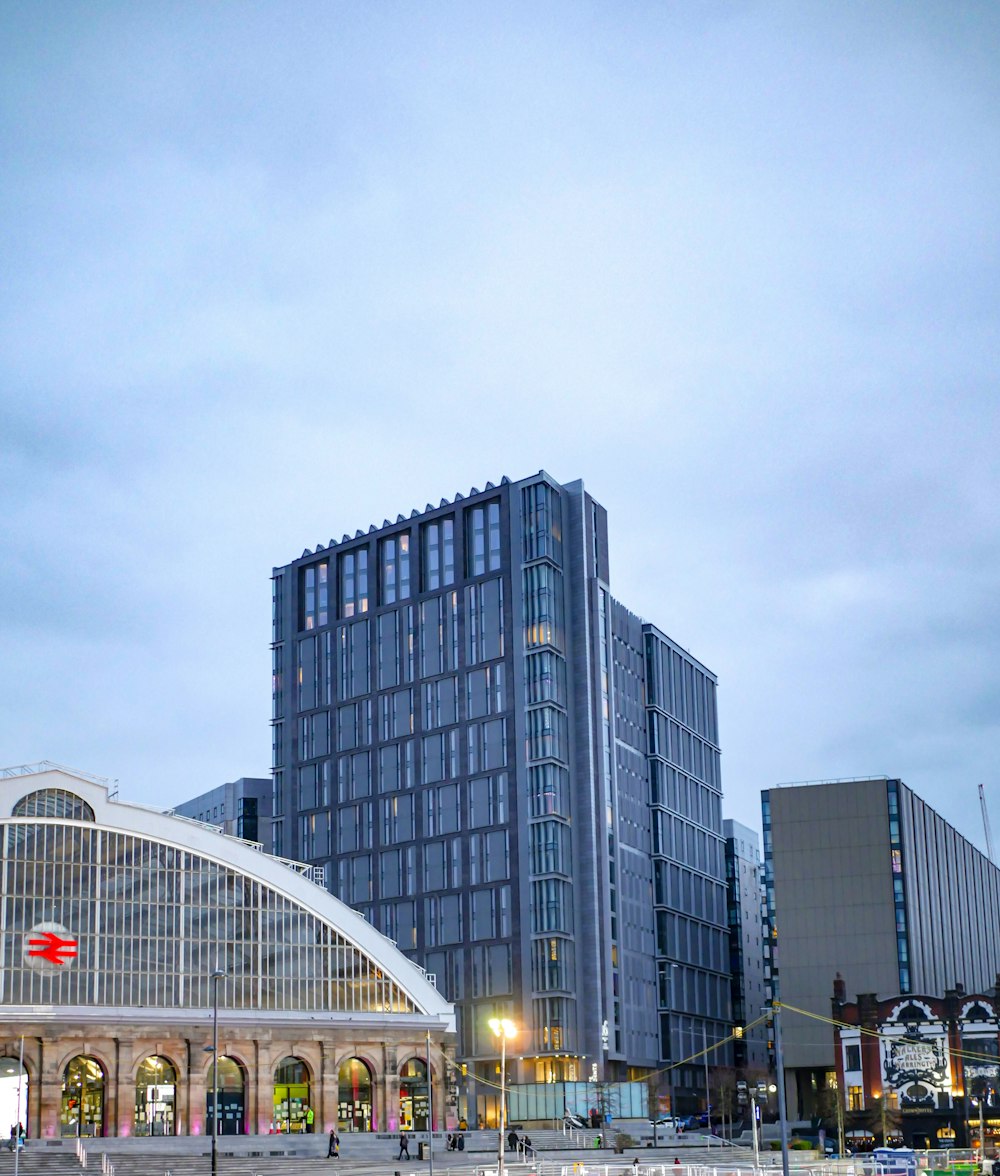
column 543, row 606
column 315, row 596
column 485, row 692
column 540, row 506
column 438, row 562
column 354, row 582
column 488, row 801
column 548, row 790
column 854, row 1099
column 482, row 539
column 484, row 614
column 394, row 568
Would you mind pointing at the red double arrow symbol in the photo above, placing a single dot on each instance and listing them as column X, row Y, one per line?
column 49, row 946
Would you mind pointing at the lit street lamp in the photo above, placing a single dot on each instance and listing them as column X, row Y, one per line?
column 215, row 978
column 881, row 1103
column 503, row 1029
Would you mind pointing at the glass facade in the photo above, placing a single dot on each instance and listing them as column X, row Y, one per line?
column 149, row 922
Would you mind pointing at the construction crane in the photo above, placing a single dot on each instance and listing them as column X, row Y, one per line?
column 986, row 824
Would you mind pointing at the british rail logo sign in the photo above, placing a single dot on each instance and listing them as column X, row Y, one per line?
column 49, row 947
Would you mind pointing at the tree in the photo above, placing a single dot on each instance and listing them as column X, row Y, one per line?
column 722, row 1096
column 830, row 1114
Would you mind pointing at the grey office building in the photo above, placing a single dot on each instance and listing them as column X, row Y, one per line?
column 865, row 879
column 240, row 808
column 510, row 775
column 746, row 947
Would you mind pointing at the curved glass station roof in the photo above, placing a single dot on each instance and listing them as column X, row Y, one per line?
column 106, row 904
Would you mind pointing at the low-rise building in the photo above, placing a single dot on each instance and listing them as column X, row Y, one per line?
column 919, row 1070
column 136, row 947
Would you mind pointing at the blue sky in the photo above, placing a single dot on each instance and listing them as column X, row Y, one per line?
column 273, row 272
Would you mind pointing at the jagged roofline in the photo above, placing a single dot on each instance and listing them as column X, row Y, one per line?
column 195, row 837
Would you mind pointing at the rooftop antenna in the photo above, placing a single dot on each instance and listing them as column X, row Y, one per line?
column 986, row 824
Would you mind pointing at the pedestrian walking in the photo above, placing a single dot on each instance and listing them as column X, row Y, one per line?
column 512, row 1139
column 310, row 1120
column 333, row 1151
column 404, row 1146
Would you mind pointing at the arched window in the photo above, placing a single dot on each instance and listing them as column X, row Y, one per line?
column 82, row 1110
column 292, row 1099
column 354, row 1082
column 13, row 1092
column 155, row 1085
column 413, row 1101
column 232, row 1083
column 910, row 1013
column 53, row 802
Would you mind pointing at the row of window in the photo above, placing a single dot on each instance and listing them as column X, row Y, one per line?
column 683, row 889
column 446, row 918
column 417, row 641
column 485, row 749
column 669, row 739
column 439, row 810
column 675, row 684
column 446, row 864
column 490, row 971
column 397, row 573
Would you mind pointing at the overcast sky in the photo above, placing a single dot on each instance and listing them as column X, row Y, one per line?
column 276, row 271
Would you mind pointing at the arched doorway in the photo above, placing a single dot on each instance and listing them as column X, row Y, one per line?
column 413, row 1101
column 354, row 1110
column 292, row 1099
column 82, row 1109
column 232, row 1084
column 155, row 1085
column 13, row 1093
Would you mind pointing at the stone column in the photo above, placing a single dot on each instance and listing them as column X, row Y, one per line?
column 49, row 1098
column 182, row 1090
column 197, row 1090
column 120, row 1113
column 329, row 1091
column 388, row 1090
column 262, row 1110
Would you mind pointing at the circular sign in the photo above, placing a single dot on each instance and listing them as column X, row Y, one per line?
column 49, row 947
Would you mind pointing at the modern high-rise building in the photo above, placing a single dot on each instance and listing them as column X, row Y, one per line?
column 866, row 880
column 513, row 777
column 746, row 946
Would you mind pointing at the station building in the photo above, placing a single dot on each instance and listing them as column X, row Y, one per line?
column 134, row 944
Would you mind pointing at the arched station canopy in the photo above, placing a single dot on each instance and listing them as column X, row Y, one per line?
column 118, row 905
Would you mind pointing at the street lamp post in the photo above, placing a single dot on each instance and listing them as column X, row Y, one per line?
column 503, row 1029
column 756, row 1127
column 774, row 1010
column 215, row 978
column 430, row 1107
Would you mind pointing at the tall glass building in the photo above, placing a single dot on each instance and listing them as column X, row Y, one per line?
column 511, row 776
column 127, row 936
